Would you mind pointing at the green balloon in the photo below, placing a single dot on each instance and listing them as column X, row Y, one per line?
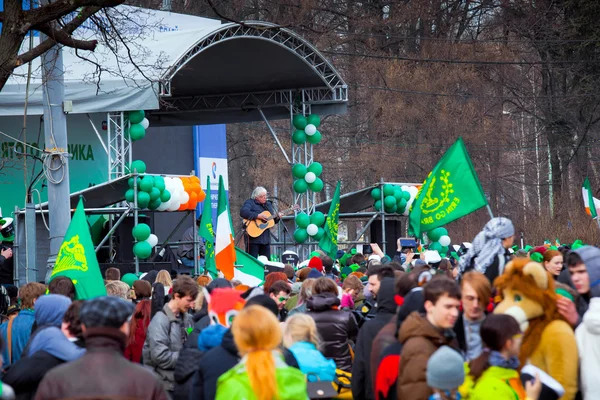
column 400, row 210
column 391, row 210
column 299, row 121
column 377, row 205
column 435, row 234
column 141, row 232
column 154, row 194
column 143, row 200
column 299, row 137
column 302, row 220
column 376, row 194
column 135, row 117
column 147, row 184
column 138, row 165
column 129, row 195
column 401, row 204
column 142, row 249
column 130, row 182
column 316, row 168
column 444, row 251
column 300, row 235
column 300, row 186
column 137, row 132
column 435, row 246
column 317, row 218
column 398, row 194
column 388, row 190
column 314, row 139
column 154, row 204
column 159, row 183
column 406, row 196
column 299, row 170
column 314, row 119
column 165, row 196
column 320, row 234
column 317, row 185
column 389, row 202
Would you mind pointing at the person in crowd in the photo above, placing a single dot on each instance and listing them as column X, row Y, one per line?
column 301, row 338
column 139, row 328
column 354, row 287
column 376, row 274
column 26, row 374
column 164, row 277
column 262, row 373
column 316, row 263
column 553, row 262
column 579, row 262
column 293, row 299
column 495, row 373
column 142, row 290
column 302, row 274
column 306, row 292
column 150, row 276
column 62, row 285
column 105, row 322
column 167, row 331
column 280, row 292
column 204, row 320
column 16, row 332
column 112, row 274
column 336, row 327
column 587, row 335
column 489, row 251
column 421, row 335
column 256, row 208
column 328, row 269
column 445, row 268
column 203, row 280
column 6, row 391
column 288, row 270
column 117, row 289
column 445, row 374
column 186, row 250
column 271, row 278
column 362, row 386
column 476, row 293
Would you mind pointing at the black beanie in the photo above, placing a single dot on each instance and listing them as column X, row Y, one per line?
column 264, row 301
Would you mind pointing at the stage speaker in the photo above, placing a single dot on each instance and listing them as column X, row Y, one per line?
column 393, row 231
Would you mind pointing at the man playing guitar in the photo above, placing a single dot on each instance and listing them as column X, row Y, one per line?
column 256, row 208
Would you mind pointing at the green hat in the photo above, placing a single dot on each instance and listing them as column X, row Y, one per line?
column 345, row 272
column 129, row 278
column 527, row 248
column 345, row 259
column 577, row 244
column 565, row 293
column 537, row 257
column 6, row 230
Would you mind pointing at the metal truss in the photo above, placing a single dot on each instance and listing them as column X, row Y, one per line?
column 119, row 146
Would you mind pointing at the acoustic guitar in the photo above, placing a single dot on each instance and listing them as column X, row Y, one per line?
column 256, row 227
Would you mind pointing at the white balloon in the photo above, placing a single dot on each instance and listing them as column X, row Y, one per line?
column 310, row 177
column 312, row 229
column 174, row 206
column 445, row 240
column 163, row 206
column 145, row 123
column 185, row 197
column 310, row 129
column 413, row 190
column 405, row 188
column 152, row 240
column 179, row 183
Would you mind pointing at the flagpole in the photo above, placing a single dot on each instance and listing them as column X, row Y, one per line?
column 490, row 211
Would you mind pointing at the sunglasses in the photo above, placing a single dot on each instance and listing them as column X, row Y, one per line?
column 283, row 298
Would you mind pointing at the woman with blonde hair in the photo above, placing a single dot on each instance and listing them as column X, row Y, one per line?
column 306, row 291
column 262, row 373
column 301, row 338
column 164, row 277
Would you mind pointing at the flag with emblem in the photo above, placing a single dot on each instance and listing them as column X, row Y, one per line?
column 77, row 259
column 207, row 232
column 224, row 246
column 329, row 241
column 451, row 191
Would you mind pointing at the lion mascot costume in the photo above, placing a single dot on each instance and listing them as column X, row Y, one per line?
column 527, row 291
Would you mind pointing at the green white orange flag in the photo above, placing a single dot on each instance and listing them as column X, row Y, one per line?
column 224, row 246
column 591, row 204
column 248, row 269
column 207, row 232
column 77, row 259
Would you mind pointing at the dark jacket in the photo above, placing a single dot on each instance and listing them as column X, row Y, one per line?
column 215, row 362
column 25, row 375
column 250, row 210
column 361, row 368
column 102, row 372
column 199, row 326
column 493, row 270
column 6, row 268
column 336, row 328
column 419, row 339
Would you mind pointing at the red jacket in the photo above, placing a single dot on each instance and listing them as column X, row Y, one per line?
column 133, row 351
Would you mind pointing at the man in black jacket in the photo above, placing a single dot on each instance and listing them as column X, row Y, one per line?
column 256, row 208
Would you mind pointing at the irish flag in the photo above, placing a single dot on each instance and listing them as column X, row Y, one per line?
column 591, row 204
column 224, row 246
column 248, row 269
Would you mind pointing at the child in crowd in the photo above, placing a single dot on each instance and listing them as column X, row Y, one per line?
column 445, row 373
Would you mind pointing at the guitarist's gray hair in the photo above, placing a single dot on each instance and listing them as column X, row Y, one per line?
column 258, row 191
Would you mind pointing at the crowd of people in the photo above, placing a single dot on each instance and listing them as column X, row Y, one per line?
column 362, row 327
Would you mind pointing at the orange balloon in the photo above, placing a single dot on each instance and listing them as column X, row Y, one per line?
column 201, row 195
column 195, row 179
column 192, row 205
column 193, row 197
column 183, row 207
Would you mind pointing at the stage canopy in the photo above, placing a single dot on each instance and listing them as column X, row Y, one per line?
column 188, row 70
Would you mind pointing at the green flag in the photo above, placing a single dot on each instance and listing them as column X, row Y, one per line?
column 329, row 241
column 77, row 259
column 248, row 269
column 207, row 232
column 451, row 191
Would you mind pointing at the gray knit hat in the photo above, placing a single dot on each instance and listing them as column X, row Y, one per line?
column 445, row 369
column 590, row 256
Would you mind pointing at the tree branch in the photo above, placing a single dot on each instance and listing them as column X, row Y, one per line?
column 53, row 11
column 64, row 38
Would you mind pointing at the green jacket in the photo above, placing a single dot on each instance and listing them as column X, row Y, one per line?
column 235, row 385
column 495, row 383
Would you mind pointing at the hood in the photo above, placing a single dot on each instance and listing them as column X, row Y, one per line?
column 385, row 297
column 590, row 256
column 228, row 344
column 416, row 325
column 591, row 319
column 50, row 309
column 322, row 302
column 211, row 336
column 53, row 341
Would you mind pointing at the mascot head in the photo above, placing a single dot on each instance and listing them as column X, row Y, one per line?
column 223, row 305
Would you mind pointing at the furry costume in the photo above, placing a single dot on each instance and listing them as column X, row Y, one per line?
column 549, row 342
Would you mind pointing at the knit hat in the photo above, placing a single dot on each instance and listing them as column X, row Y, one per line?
column 264, row 301
column 129, row 278
column 315, row 274
column 590, row 256
column 106, row 312
column 316, row 263
column 445, row 370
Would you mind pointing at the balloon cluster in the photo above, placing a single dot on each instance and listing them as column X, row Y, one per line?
column 145, row 240
column 306, row 129
column 440, row 241
column 309, row 226
column 307, row 177
column 396, row 199
column 138, row 123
